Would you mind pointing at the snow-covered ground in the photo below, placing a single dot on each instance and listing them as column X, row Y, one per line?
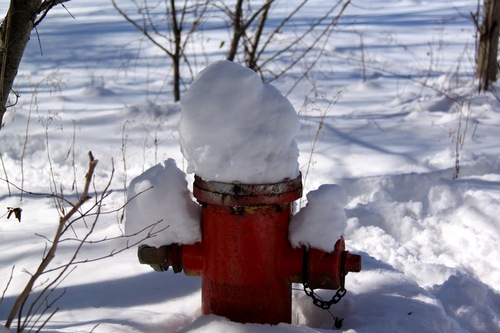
column 429, row 242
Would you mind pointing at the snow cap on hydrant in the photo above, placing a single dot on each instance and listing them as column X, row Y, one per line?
column 237, row 135
column 235, row 128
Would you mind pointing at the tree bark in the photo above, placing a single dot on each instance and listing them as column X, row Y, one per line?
column 487, row 50
column 237, row 30
column 14, row 36
column 176, row 58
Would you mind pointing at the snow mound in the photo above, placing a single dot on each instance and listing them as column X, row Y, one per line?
column 475, row 306
column 321, row 223
column 160, row 203
column 235, row 128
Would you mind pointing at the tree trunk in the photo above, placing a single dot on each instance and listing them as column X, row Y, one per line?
column 487, row 50
column 176, row 58
column 15, row 34
column 237, row 30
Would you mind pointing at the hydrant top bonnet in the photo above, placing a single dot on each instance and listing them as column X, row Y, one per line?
column 237, row 194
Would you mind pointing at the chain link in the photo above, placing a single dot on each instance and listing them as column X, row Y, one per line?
column 321, row 303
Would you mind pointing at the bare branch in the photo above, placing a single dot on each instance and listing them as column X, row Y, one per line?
column 46, row 6
column 326, row 31
column 280, row 26
column 142, row 29
column 21, row 299
column 43, row 300
column 8, row 283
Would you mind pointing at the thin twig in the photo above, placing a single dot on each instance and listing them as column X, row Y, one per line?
column 5, row 173
column 8, row 283
column 21, row 299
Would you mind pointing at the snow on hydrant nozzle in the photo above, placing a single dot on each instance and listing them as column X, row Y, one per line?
column 237, row 135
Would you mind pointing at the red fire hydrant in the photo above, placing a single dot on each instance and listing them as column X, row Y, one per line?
column 245, row 258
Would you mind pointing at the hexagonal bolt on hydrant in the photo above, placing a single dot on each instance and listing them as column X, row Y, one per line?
column 245, row 258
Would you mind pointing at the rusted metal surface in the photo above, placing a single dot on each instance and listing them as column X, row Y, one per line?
column 244, row 278
column 237, row 194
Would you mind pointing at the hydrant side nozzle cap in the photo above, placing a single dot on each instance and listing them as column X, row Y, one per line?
column 154, row 257
column 352, row 263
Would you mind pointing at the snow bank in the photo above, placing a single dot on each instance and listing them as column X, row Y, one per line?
column 427, row 225
column 161, row 195
column 442, row 233
column 235, row 128
column 321, row 223
column 471, row 303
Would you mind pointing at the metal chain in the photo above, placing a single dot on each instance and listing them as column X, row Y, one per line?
column 321, row 303
column 310, row 292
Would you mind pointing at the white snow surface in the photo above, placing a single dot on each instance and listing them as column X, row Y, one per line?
column 160, row 203
column 384, row 121
column 236, row 128
column 321, row 223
